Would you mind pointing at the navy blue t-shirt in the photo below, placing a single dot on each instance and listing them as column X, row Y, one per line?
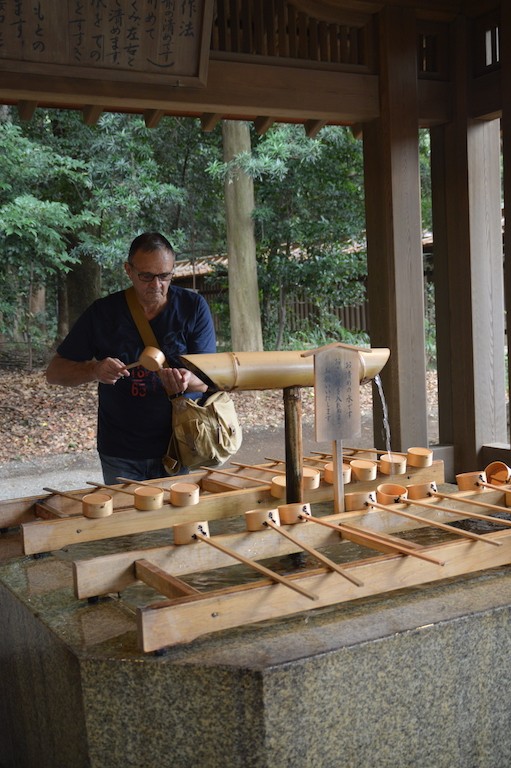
column 134, row 415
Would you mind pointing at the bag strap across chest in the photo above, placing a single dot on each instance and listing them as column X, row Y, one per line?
column 141, row 321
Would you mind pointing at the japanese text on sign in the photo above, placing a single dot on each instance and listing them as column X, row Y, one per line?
column 137, row 36
column 337, row 394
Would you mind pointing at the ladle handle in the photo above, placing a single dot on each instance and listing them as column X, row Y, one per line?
column 318, row 555
column 61, row 493
column 109, row 487
column 140, row 482
column 131, row 365
column 257, row 567
column 433, row 523
column 212, row 470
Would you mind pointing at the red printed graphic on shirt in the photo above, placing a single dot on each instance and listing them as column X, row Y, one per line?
column 143, row 381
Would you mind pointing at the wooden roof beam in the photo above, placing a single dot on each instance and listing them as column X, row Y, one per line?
column 262, row 124
column 241, row 90
column 92, row 113
column 313, row 127
column 209, row 121
column 152, row 117
column 26, row 109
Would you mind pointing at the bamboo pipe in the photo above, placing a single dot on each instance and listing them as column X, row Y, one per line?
column 434, row 524
column 483, row 504
column 272, row 370
column 376, row 538
column 257, row 566
column 322, row 558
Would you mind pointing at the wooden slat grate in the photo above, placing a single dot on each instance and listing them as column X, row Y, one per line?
column 275, row 28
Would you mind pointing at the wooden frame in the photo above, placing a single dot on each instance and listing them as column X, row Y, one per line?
column 116, row 41
column 53, row 521
column 187, row 614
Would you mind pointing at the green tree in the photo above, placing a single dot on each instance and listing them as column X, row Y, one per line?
column 309, row 211
column 73, row 196
column 34, row 229
column 136, row 179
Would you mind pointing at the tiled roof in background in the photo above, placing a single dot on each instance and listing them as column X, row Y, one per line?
column 202, row 265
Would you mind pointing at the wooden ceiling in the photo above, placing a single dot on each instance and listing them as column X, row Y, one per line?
column 307, row 61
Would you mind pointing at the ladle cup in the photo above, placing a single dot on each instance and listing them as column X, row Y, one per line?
column 151, row 358
column 498, row 473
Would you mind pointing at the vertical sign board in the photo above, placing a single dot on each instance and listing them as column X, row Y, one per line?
column 143, row 41
column 337, row 405
column 337, row 394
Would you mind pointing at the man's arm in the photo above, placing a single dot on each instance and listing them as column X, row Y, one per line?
column 69, row 373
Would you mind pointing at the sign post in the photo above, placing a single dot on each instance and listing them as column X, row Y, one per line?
column 337, row 404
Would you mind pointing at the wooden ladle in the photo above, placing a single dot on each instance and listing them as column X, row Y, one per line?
column 151, row 358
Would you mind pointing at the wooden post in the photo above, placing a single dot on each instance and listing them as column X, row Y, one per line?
column 294, row 443
column 469, row 279
column 394, row 247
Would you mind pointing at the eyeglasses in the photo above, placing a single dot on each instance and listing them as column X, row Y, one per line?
column 148, row 277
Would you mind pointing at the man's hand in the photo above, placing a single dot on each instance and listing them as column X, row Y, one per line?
column 69, row 373
column 177, row 380
column 110, row 370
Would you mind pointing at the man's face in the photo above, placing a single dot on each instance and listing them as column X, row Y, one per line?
column 151, row 273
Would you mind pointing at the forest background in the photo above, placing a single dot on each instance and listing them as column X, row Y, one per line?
column 73, row 196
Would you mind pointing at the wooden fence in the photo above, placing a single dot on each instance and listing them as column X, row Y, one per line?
column 298, row 310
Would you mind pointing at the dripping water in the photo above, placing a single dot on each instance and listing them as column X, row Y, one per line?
column 386, row 423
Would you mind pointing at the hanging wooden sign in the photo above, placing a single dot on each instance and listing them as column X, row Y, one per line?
column 336, row 393
column 141, row 41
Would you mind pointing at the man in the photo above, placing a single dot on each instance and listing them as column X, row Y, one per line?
column 134, row 413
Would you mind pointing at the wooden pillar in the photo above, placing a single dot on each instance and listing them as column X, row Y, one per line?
column 293, row 444
column 468, row 262
column 393, row 210
column 505, row 38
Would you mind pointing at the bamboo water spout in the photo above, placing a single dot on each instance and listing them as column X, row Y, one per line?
column 287, row 370
column 272, row 370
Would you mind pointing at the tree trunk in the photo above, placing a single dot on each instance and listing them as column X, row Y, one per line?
column 246, row 333
column 63, row 313
column 83, row 285
column 38, row 306
column 282, row 317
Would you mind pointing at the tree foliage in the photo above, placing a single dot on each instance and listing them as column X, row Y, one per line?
column 309, row 213
column 34, row 226
column 70, row 191
column 94, row 188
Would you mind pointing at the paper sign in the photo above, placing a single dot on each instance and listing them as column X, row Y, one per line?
column 337, row 394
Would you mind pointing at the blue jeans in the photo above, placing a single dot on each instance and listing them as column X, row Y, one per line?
column 134, row 469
